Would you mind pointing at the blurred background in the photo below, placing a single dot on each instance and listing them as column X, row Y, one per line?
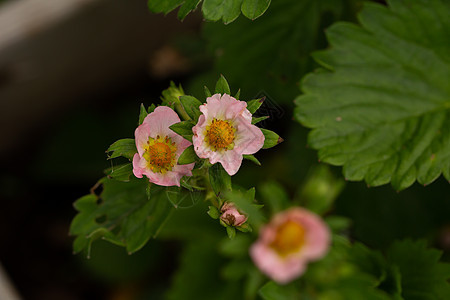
column 72, row 76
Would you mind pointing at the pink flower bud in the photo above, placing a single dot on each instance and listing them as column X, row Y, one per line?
column 288, row 243
column 231, row 216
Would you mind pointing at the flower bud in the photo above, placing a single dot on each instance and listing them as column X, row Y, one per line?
column 231, row 216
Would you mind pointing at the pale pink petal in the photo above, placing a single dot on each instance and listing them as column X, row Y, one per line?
column 249, row 138
column 159, row 121
column 141, row 135
column 138, row 171
column 285, row 269
column 222, row 107
column 280, row 270
column 231, row 161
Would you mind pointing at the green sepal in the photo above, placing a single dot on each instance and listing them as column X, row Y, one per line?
column 222, row 86
column 123, row 147
column 245, row 228
column 271, row 139
column 188, row 156
column 183, row 128
column 231, row 232
column 143, row 113
column 207, row 92
column 191, row 106
column 252, row 158
column 256, row 120
column 213, row 212
column 255, row 104
column 120, row 172
column 151, row 108
column 238, row 94
column 219, row 179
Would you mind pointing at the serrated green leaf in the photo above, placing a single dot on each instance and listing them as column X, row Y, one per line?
column 188, row 156
column 253, row 9
column 222, row 86
column 191, row 106
column 227, row 10
column 271, row 139
column 121, row 214
column 187, row 7
column 120, row 172
column 123, row 147
column 422, row 275
column 252, row 158
column 143, row 113
column 183, row 128
column 381, row 109
column 166, row 6
column 219, row 179
column 254, row 105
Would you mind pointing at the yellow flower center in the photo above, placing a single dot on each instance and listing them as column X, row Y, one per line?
column 290, row 237
column 220, row 135
column 160, row 154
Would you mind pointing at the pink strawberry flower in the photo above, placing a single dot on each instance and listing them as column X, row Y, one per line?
column 231, row 216
column 224, row 132
column 159, row 149
column 288, row 243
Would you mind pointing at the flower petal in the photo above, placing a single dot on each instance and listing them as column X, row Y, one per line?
column 249, row 138
column 159, row 121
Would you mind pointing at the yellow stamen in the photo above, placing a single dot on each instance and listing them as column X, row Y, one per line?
column 160, row 154
column 290, row 237
column 220, row 135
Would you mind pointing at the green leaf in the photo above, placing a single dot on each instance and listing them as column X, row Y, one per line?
column 253, row 9
column 213, row 10
column 143, row 113
column 219, row 179
column 188, row 156
column 120, row 172
column 227, row 10
column 183, row 128
column 213, row 212
column 253, row 105
column 256, row 120
column 222, row 86
column 123, row 147
column 121, row 214
column 271, row 139
column 252, row 158
column 191, row 106
column 380, row 105
column 231, row 232
column 422, row 275
column 238, row 94
column 166, row 6
column 187, row 7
